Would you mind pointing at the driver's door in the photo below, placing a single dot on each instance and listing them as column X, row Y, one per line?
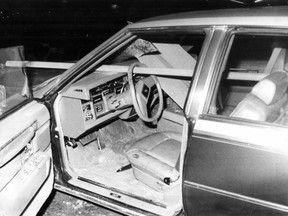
column 26, row 174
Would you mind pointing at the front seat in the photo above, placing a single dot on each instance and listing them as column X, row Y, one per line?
column 155, row 160
column 265, row 100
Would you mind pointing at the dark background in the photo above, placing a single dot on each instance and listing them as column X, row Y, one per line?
column 65, row 30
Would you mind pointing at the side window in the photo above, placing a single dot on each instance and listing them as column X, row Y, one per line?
column 13, row 80
column 254, row 80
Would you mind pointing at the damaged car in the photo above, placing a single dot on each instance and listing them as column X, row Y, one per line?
column 180, row 114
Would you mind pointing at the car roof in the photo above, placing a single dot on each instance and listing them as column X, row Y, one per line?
column 261, row 17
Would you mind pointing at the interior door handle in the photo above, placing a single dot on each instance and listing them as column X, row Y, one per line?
column 15, row 145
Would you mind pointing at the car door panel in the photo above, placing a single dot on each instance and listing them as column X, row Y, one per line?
column 235, row 172
column 239, row 169
column 202, row 202
column 26, row 183
column 14, row 146
column 25, row 159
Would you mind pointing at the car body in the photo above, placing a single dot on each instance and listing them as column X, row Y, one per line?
column 181, row 114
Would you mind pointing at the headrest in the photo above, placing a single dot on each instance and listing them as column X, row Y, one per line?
column 271, row 88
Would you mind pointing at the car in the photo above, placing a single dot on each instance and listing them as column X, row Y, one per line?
column 181, row 114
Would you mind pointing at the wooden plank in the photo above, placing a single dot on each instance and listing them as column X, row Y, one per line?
column 174, row 72
column 246, row 76
column 176, row 56
column 148, row 71
column 39, row 64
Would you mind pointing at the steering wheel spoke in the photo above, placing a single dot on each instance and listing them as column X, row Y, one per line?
column 142, row 102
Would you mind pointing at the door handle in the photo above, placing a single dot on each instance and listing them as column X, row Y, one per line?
column 15, row 145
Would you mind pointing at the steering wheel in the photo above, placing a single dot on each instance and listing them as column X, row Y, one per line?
column 143, row 92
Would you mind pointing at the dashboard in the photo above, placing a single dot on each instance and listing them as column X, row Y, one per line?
column 100, row 94
column 84, row 105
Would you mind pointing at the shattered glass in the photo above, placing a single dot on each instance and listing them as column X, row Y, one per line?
column 137, row 49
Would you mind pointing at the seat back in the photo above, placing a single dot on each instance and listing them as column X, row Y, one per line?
column 265, row 100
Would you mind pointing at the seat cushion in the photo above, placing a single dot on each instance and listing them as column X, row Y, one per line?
column 163, row 146
column 155, row 157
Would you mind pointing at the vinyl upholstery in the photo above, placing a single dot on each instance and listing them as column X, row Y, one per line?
column 156, row 157
column 265, row 100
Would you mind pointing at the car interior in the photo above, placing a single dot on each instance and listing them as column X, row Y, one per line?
column 121, row 124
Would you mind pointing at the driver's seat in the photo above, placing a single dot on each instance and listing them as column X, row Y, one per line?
column 155, row 160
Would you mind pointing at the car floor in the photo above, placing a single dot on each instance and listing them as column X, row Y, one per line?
column 100, row 166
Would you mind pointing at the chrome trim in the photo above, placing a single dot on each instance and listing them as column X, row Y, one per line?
column 240, row 121
column 266, row 137
column 117, row 191
column 237, row 196
column 100, row 200
column 235, row 142
column 197, row 72
column 203, row 75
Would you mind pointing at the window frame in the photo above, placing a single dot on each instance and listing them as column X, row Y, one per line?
column 20, row 99
column 220, row 66
column 15, row 108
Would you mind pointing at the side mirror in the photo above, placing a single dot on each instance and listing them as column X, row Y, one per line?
column 3, row 103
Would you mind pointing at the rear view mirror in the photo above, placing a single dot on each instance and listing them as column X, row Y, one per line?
column 2, row 99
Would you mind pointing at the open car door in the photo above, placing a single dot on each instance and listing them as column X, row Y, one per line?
column 26, row 174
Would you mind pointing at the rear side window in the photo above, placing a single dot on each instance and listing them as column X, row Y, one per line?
column 254, row 80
